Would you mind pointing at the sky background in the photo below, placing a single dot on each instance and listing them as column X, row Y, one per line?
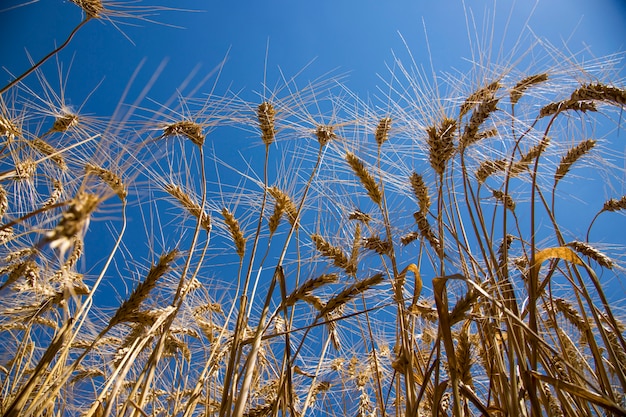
column 358, row 38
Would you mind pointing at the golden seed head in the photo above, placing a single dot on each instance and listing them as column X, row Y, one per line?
column 266, row 116
column 366, row 178
column 110, row 178
column 573, row 155
column 382, row 130
column 524, row 84
column 46, row 149
column 65, row 122
column 25, row 170
column 92, row 8
column 188, row 204
column 74, row 221
column 441, row 144
column 189, row 129
column 8, row 128
column 325, row 134
column 235, row 231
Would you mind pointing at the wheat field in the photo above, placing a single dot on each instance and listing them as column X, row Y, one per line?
column 421, row 254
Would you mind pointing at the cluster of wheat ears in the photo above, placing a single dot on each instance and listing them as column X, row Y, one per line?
column 424, row 256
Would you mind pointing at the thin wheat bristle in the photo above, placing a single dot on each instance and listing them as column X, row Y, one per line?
column 350, row 292
column 382, row 130
column 334, row 253
column 365, row 177
column 614, row 204
column 235, row 231
column 567, row 105
column 600, row 92
column 421, row 192
column 74, row 221
column 524, row 84
column 573, row 155
column 189, row 205
column 588, row 250
column 284, row 204
column 478, row 96
column 111, row 179
column 65, row 122
column 131, row 305
column 505, row 199
column 324, row 134
column 441, row 144
column 189, row 129
column 266, row 116
column 47, row 149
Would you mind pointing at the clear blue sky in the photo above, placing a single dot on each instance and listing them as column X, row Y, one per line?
column 356, row 37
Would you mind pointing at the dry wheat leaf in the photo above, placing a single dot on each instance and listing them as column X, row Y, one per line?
column 561, row 252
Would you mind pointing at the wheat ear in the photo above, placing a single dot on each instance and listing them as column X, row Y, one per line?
column 235, row 231
column 573, row 155
column 365, row 177
column 188, row 204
